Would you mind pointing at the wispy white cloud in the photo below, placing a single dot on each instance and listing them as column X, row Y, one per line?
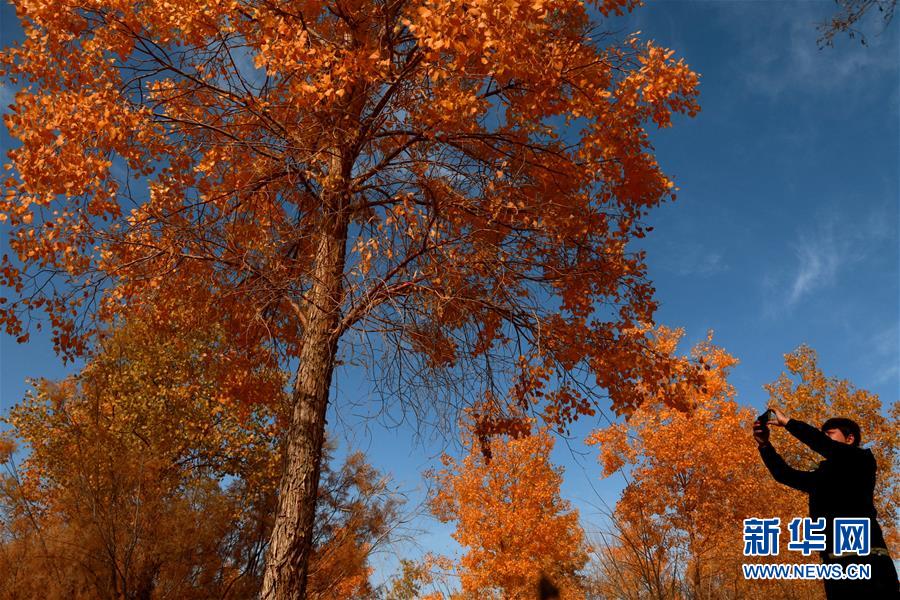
column 779, row 53
column 708, row 263
column 887, row 341
column 823, row 251
column 6, row 96
column 692, row 259
column 886, row 374
column 885, row 351
column 819, row 257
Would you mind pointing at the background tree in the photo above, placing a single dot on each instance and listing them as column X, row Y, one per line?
column 510, row 518
column 634, row 560
column 357, row 514
column 410, row 170
column 409, row 583
column 145, row 481
column 693, row 477
column 119, row 495
column 850, row 12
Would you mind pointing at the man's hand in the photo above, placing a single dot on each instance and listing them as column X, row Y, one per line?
column 781, row 419
column 760, row 433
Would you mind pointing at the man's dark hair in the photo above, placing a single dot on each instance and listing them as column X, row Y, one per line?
column 846, row 426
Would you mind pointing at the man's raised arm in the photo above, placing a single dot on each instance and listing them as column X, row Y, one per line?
column 781, row 472
column 817, row 440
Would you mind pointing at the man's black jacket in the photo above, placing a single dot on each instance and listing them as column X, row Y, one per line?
column 842, row 485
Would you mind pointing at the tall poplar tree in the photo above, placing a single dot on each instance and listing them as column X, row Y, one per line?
column 456, row 184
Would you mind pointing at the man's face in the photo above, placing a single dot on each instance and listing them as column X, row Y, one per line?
column 838, row 436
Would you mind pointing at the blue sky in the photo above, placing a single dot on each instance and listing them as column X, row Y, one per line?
column 785, row 230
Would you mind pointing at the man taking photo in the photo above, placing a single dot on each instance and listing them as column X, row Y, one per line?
column 842, row 486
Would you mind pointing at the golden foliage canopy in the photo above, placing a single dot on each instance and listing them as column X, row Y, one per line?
column 145, row 478
column 484, row 165
column 511, row 518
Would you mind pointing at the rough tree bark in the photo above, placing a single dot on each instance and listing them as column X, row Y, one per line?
column 290, row 545
column 291, row 541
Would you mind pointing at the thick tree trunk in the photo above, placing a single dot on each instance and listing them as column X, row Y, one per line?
column 696, row 580
column 290, row 545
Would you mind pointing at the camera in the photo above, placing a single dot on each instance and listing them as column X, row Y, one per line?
column 766, row 417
